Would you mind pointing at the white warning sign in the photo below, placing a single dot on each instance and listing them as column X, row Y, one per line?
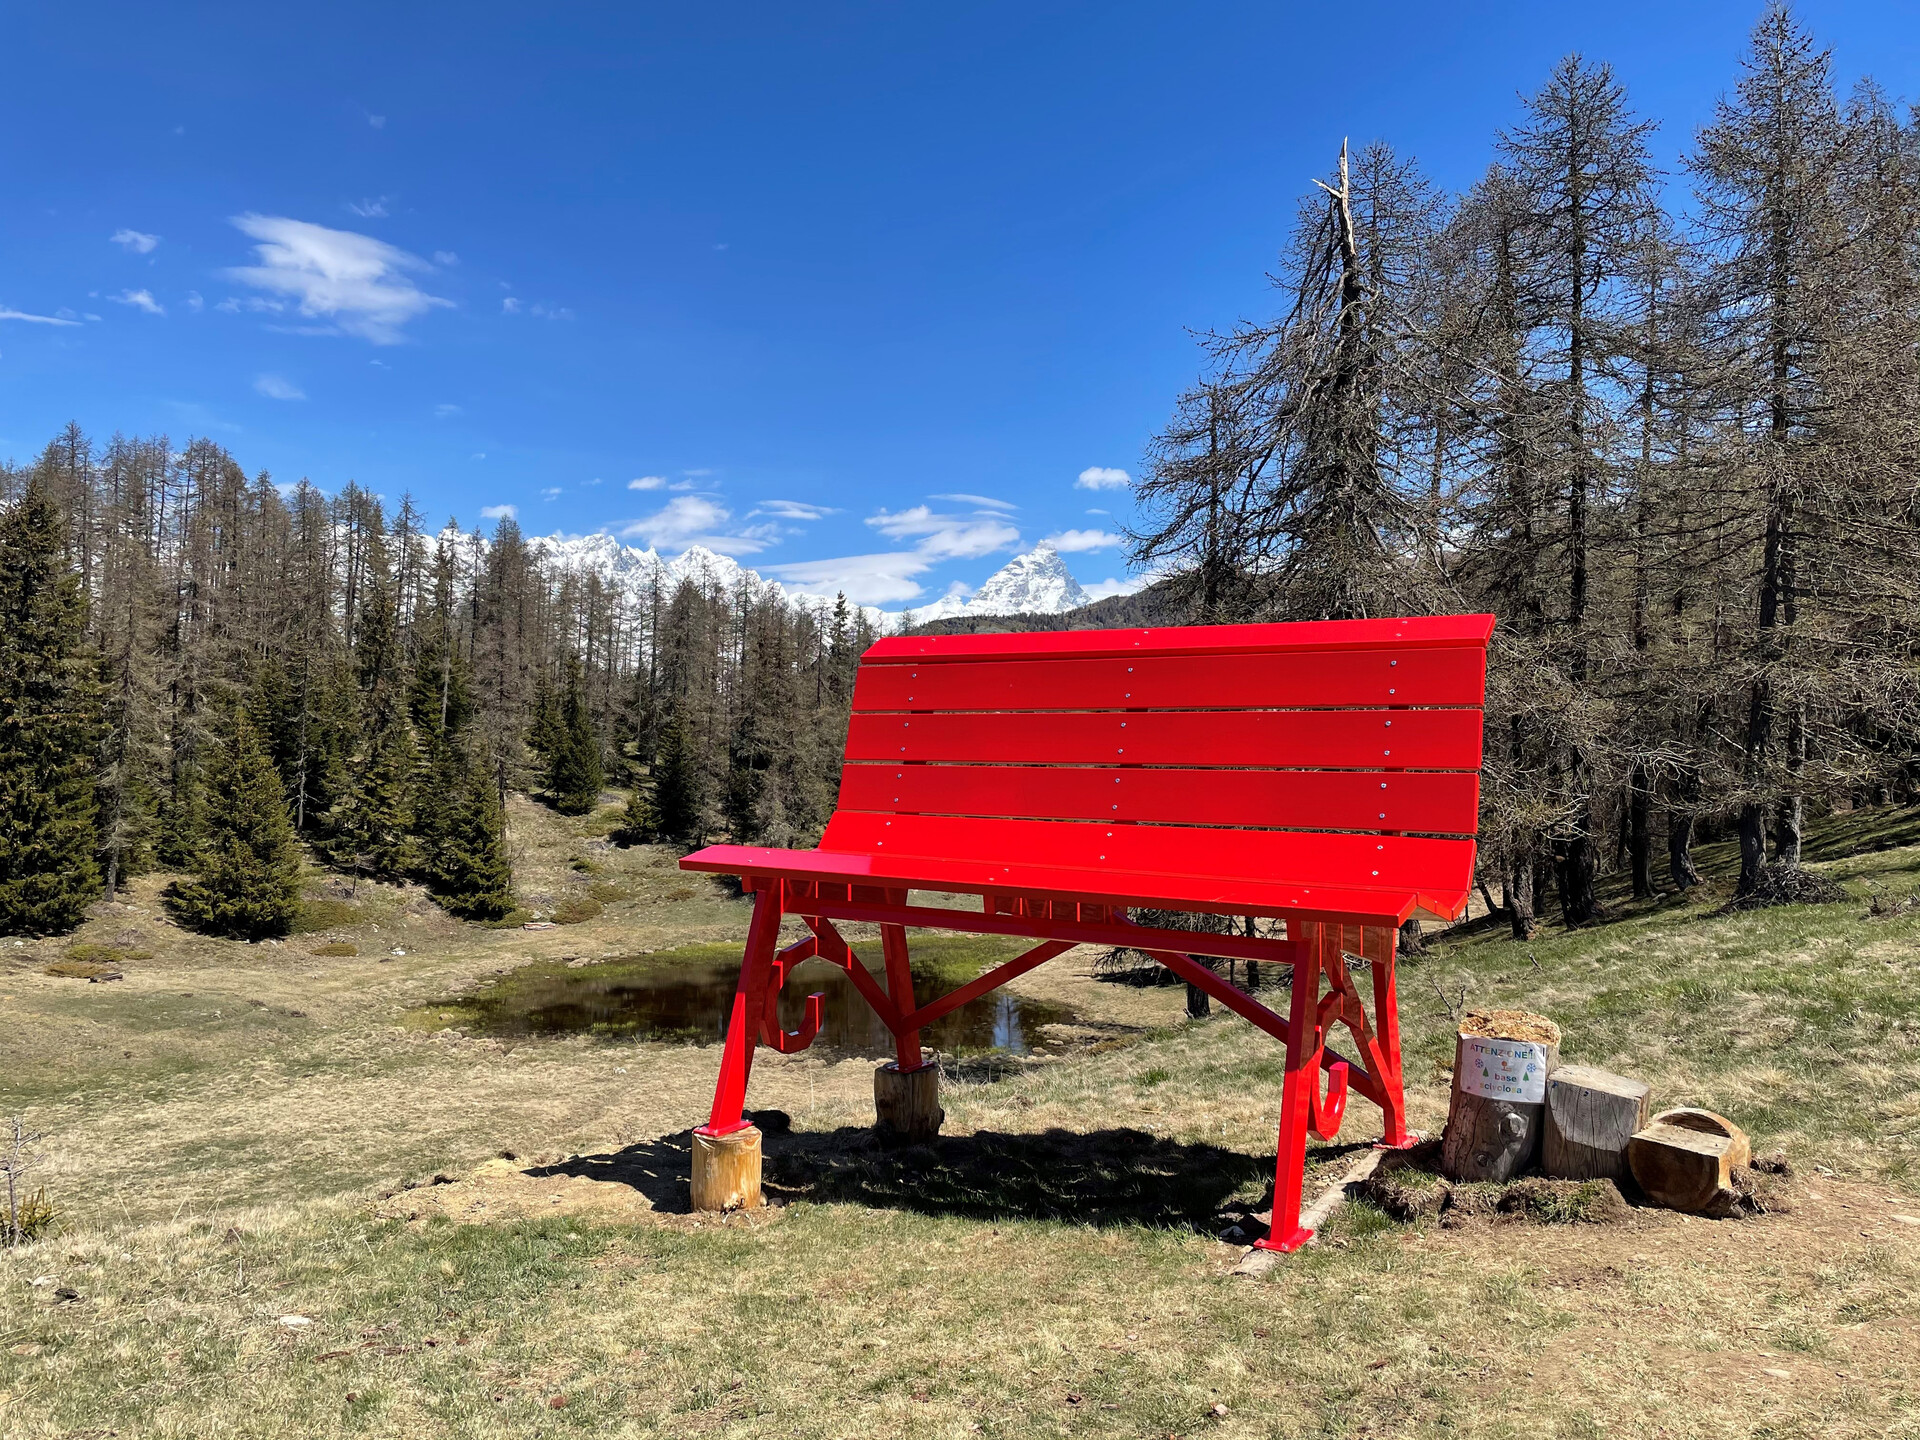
column 1503, row 1069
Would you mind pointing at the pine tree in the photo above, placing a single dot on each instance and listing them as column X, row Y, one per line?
column 247, row 884
column 472, row 871
column 575, row 773
column 639, row 822
column 375, row 832
column 677, row 797
column 49, row 726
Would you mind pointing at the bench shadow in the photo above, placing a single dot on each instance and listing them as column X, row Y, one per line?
column 1102, row 1178
column 1099, row 1177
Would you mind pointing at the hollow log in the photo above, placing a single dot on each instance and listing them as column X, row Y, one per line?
column 1686, row 1160
column 906, row 1104
column 1591, row 1115
column 726, row 1170
column 1501, row 1061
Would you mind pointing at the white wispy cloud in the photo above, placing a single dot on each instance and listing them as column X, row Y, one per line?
column 7, row 313
column 864, row 579
column 1073, row 542
column 689, row 520
column 442, row 412
column 894, row 576
column 359, row 285
column 372, row 209
column 139, row 300
column 194, row 301
column 137, row 242
column 648, row 482
column 791, row 510
column 499, row 512
column 278, row 387
column 514, row 305
column 946, row 537
column 1102, row 477
column 1132, row 584
column 987, row 501
column 445, row 257
column 378, row 122
column 552, row 492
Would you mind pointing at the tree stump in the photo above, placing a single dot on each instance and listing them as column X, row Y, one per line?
column 906, row 1104
column 726, row 1170
column 1501, row 1061
column 1686, row 1160
column 1591, row 1115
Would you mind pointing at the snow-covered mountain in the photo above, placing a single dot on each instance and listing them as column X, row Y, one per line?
column 1036, row 583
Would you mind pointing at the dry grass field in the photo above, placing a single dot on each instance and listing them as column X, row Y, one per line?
column 291, row 1203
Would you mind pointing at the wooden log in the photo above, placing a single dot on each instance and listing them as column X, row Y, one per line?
column 1686, row 1160
column 906, row 1104
column 1591, row 1115
column 726, row 1170
column 1501, row 1061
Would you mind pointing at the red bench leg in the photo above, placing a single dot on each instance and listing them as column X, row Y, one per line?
column 1296, row 1102
column 743, row 1023
column 893, row 944
column 1386, row 1024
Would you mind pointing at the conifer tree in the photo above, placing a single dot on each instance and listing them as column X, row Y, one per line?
column 677, row 797
column 639, row 822
column 247, row 883
column 375, row 832
column 472, row 870
column 49, row 726
column 575, row 773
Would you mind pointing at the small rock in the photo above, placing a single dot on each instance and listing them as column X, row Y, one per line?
column 66, row 1293
column 1777, row 1374
column 1219, row 1410
column 294, row 1322
column 556, row 1402
column 1908, row 1219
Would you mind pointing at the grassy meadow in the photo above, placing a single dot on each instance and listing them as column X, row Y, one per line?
column 297, row 1197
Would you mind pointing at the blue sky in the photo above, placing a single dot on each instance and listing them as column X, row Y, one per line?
column 868, row 296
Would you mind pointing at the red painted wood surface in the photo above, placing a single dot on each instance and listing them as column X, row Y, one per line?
column 1423, row 630
column 1326, row 773
column 1421, row 802
column 1259, row 680
column 1343, row 739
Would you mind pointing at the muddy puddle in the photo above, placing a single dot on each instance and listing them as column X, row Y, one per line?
column 685, row 995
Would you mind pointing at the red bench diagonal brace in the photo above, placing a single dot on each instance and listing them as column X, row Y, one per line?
column 1322, row 774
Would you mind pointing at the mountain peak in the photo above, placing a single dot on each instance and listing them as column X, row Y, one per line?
column 1036, row 583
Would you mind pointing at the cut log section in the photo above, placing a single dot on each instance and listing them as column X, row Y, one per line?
column 726, row 1170
column 1686, row 1160
column 906, row 1104
column 1501, row 1061
column 1591, row 1115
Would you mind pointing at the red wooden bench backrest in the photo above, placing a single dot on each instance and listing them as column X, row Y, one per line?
column 1342, row 751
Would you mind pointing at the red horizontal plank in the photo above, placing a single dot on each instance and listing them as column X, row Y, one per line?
column 1391, row 862
column 1345, row 739
column 1436, row 803
column 1183, row 682
column 1432, row 630
column 1105, row 886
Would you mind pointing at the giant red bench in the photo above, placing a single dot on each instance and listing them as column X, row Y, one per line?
column 1325, row 774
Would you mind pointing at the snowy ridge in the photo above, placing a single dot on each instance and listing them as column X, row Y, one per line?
column 1036, row 583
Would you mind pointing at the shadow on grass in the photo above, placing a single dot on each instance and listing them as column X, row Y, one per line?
column 1118, row 1177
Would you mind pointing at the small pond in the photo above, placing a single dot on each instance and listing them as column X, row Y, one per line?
column 686, row 994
